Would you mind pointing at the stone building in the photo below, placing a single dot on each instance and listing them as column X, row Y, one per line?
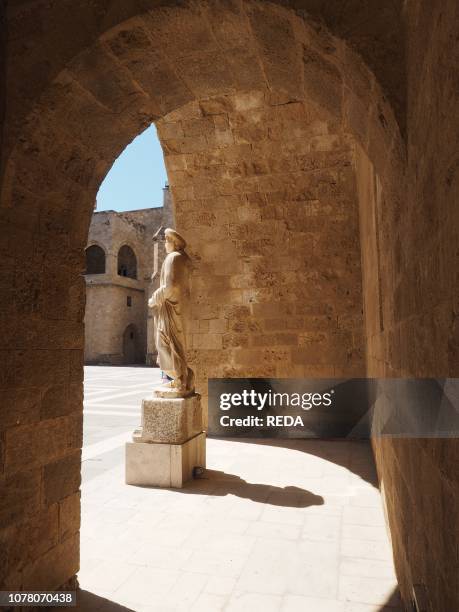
column 123, row 260
column 272, row 116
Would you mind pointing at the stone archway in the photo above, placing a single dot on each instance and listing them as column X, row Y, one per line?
column 226, row 99
column 227, row 76
column 135, row 74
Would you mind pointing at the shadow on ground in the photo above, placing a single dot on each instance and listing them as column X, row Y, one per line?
column 394, row 603
column 355, row 456
column 216, row 482
column 87, row 602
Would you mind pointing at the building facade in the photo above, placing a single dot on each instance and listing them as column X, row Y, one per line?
column 123, row 261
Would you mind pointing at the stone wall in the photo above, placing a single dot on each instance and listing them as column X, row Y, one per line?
column 265, row 194
column 376, row 36
column 108, row 313
column 106, row 319
column 79, row 90
column 83, row 79
column 417, row 331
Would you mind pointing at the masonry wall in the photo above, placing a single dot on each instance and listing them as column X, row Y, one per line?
column 416, row 332
column 107, row 314
column 82, row 83
column 107, row 318
column 265, row 193
column 81, row 88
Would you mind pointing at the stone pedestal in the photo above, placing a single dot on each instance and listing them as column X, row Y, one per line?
column 169, row 444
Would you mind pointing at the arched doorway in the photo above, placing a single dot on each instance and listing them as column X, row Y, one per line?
column 87, row 103
column 262, row 172
column 256, row 149
column 132, row 349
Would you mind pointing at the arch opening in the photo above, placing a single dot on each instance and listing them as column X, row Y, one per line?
column 262, row 165
column 95, row 260
column 127, row 262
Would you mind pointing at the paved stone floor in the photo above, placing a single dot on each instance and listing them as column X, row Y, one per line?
column 275, row 525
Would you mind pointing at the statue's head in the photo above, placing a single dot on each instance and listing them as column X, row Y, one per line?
column 174, row 242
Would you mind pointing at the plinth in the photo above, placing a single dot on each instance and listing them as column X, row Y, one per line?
column 169, row 444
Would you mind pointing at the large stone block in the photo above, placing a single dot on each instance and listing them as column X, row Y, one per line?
column 19, row 496
column 54, row 568
column 60, row 400
column 164, row 465
column 171, row 421
column 62, row 478
column 40, row 443
column 34, row 537
column 275, row 37
column 19, row 407
column 69, row 516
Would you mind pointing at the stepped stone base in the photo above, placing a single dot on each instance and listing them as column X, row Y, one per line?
column 169, row 443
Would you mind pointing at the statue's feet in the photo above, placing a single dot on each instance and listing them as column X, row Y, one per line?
column 173, row 388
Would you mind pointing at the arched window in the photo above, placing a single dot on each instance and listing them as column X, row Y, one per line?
column 127, row 262
column 95, row 260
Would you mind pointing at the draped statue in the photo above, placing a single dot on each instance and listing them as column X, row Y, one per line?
column 171, row 308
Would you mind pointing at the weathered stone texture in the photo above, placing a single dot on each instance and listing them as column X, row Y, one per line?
column 69, row 516
column 20, row 496
column 39, row 443
column 61, row 478
column 273, row 231
column 261, row 174
column 419, row 475
column 412, row 316
column 52, row 569
column 171, row 421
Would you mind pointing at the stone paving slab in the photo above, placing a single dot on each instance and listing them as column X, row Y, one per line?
column 275, row 525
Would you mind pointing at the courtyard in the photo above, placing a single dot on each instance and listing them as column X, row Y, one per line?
column 288, row 525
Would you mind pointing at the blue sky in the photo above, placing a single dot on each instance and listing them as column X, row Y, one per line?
column 137, row 177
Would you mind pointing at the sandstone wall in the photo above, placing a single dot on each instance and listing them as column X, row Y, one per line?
column 83, row 79
column 265, row 193
column 376, row 35
column 106, row 319
column 107, row 313
column 416, row 331
column 82, row 83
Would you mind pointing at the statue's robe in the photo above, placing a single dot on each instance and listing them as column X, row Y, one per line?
column 171, row 303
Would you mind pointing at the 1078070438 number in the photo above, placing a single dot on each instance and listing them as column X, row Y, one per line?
column 38, row 598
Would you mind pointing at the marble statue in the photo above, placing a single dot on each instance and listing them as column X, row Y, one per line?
column 171, row 309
